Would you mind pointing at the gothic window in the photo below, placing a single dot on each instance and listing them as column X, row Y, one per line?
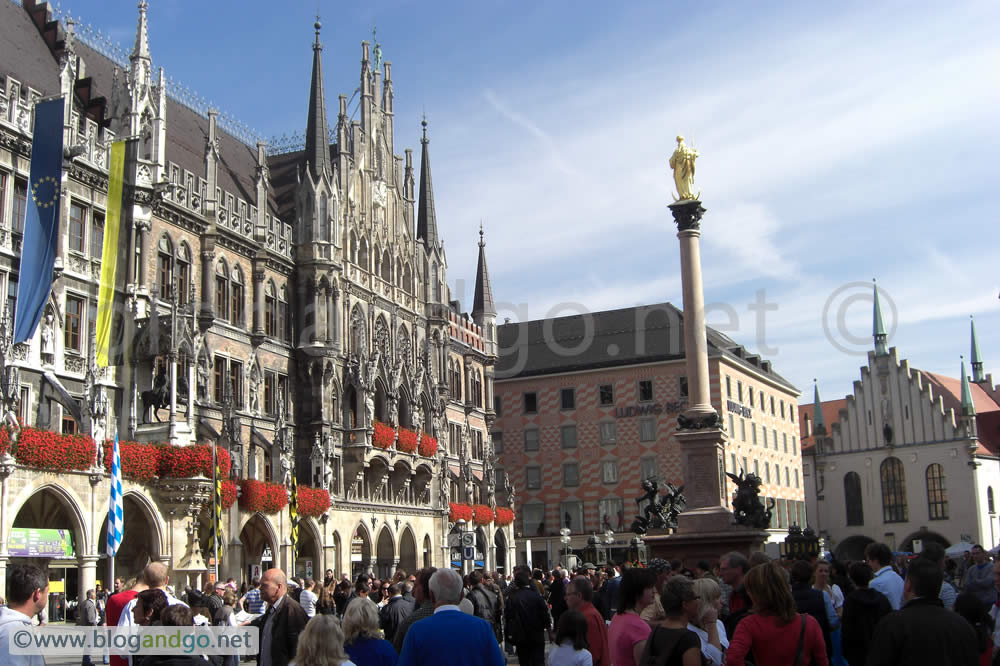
column 893, row 491
column 376, row 260
column 222, row 290
column 77, row 226
column 852, row 498
column 435, row 287
column 323, row 221
column 270, row 310
column 354, row 247
column 165, row 264
column 96, row 232
column 937, row 497
column 363, row 254
column 20, row 209
column 359, row 332
column 407, row 279
column 236, row 378
column 283, row 321
column 238, row 292
column 990, row 505
column 74, row 323
column 183, row 273
column 220, row 378
column 386, row 266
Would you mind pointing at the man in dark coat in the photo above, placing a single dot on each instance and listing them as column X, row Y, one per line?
column 394, row 612
column 863, row 608
column 922, row 631
column 812, row 601
column 485, row 603
column 526, row 617
column 281, row 625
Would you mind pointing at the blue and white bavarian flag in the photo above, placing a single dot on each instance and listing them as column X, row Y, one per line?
column 41, row 224
column 115, row 520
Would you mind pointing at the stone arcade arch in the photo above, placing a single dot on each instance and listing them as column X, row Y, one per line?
column 407, row 551
column 906, row 545
column 853, row 548
column 309, row 551
column 385, row 554
column 142, row 537
column 260, row 543
column 361, row 551
column 500, row 543
column 54, row 507
column 427, row 551
column 482, row 549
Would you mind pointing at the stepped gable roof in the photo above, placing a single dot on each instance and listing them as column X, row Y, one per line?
column 987, row 410
column 831, row 414
column 23, row 53
column 642, row 334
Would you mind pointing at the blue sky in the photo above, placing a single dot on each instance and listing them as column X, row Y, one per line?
column 838, row 144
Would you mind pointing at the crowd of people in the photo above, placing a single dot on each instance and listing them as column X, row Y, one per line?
column 738, row 610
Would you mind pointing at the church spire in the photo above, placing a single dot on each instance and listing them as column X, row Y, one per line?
column 426, row 218
column 819, row 423
column 482, row 302
column 141, row 48
column 317, row 153
column 878, row 325
column 968, row 406
column 977, row 356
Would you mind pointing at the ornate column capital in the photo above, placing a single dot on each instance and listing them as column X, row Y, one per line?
column 687, row 215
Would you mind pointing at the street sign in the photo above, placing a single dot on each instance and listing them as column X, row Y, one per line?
column 468, row 552
column 309, row 568
column 469, row 541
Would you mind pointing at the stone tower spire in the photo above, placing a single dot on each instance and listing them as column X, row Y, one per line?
column 819, row 423
column 317, row 152
column 878, row 325
column 141, row 48
column 482, row 304
column 968, row 406
column 426, row 218
column 977, row 356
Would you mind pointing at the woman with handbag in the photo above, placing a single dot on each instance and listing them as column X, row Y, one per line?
column 774, row 633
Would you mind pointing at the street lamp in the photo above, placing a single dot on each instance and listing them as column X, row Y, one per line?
column 638, row 548
column 460, row 524
column 593, row 552
column 564, row 538
column 609, row 540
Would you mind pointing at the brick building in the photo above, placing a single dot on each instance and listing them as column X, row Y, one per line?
column 586, row 409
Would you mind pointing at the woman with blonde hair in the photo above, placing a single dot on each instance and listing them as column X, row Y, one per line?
column 363, row 637
column 321, row 643
column 774, row 632
column 703, row 619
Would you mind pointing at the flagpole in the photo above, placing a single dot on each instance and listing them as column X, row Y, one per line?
column 111, row 564
column 215, row 518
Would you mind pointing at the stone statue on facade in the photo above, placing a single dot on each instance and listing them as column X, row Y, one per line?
column 509, row 490
column 444, row 491
column 255, row 381
column 682, row 163
column 48, row 339
column 202, row 375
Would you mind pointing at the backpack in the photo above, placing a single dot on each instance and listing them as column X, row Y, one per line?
column 658, row 655
column 484, row 605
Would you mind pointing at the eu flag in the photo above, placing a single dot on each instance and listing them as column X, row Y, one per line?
column 41, row 224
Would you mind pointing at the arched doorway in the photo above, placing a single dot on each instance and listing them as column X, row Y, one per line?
column 408, row 551
column 385, row 554
column 852, row 548
column 49, row 532
column 260, row 546
column 482, row 549
column 427, row 551
column 308, row 559
column 141, row 539
column 361, row 551
column 500, row 543
column 335, row 563
column 925, row 536
column 350, row 406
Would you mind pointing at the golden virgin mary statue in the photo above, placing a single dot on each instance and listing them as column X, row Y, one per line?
column 682, row 162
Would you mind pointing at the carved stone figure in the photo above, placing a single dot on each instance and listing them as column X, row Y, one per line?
column 48, row 337
column 660, row 511
column 286, row 466
column 747, row 507
column 444, row 491
column 509, row 490
column 236, row 454
column 370, row 407
column 371, row 370
column 396, row 377
column 682, row 162
column 203, row 374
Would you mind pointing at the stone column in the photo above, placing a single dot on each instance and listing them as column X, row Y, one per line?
column 143, row 228
column 207, row 310
column 258, row 300
column 699, row 428
column 331, row 315
column 88, row 575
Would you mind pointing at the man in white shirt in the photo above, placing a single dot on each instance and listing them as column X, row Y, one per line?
column 308, row 598
column 155, row 576
column 27, row 594
column 886, row 581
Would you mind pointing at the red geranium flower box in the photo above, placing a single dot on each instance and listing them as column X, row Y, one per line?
column 313, row 501
column 185, row 462
column 261, row 496
column 482, row 514
column 458, row 512
column 428, row 446
column 384, row 435
column 41, row 448
column 505, row 516
column 140, row 461
column 407, row 442
column 228, row 493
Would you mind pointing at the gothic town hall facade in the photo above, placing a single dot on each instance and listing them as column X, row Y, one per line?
column 287, row 304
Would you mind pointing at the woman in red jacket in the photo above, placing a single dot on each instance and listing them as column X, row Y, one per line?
column 774, row 633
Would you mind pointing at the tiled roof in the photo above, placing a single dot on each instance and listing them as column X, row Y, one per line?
column 831, row 415
column 23, row 53
column 643, row 334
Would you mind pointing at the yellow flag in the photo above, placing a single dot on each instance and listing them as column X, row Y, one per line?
column 109, row 256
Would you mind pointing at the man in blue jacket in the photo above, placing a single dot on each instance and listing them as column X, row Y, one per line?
column 449, row 636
